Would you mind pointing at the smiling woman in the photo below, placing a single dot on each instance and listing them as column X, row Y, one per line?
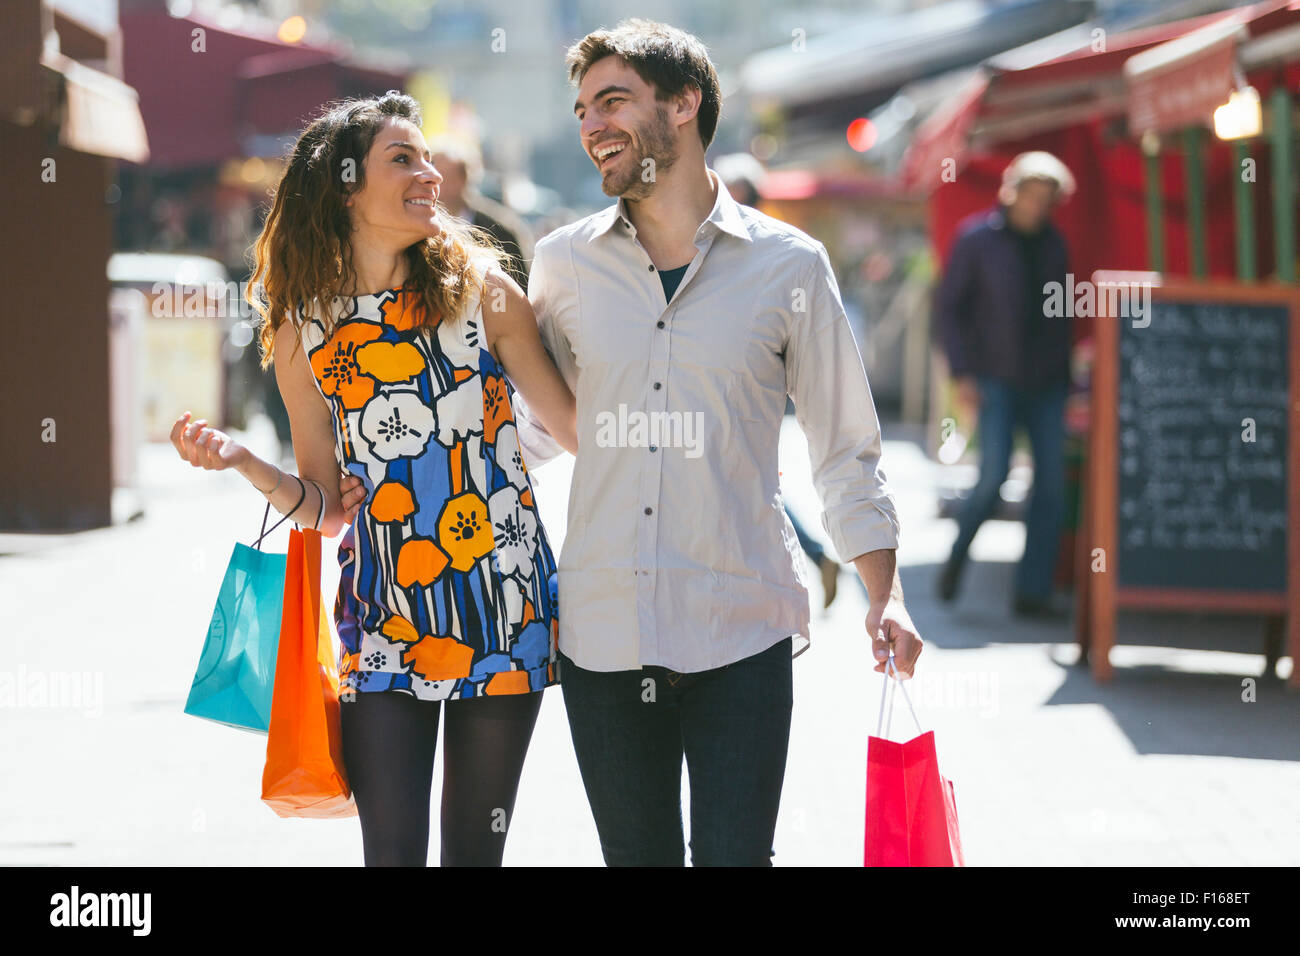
column 393, row 374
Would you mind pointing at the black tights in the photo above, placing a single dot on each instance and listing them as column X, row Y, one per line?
column 389, row 739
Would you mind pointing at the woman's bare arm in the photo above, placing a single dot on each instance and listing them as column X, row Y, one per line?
column 313, row 436
column 514, row 341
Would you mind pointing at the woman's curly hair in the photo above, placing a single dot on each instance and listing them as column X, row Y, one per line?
column 303, row 257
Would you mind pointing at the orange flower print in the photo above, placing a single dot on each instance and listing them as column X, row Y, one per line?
column 390, row 361
column 403, row 312
column 392, row 502
column 464, row 530
column 496, row 407
column 349, row 664
column 398, row 628
column 439, row 658
column 420, row 561
column 507, row 682
column 335, row 364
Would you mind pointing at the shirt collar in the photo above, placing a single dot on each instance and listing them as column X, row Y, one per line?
column 725, row 214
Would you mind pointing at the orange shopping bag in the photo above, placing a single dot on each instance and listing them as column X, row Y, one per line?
column 304, row 774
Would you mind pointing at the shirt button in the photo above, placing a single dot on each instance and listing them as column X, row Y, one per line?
column 652, row 268
column 649, row 510
column 654, row 447
column 660, row 323
column 658, row 385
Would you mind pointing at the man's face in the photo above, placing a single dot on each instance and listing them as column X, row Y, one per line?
column 621, row 126
column 452, row 191
column 1033, row 204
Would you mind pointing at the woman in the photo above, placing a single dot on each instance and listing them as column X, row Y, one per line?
column 445, row 589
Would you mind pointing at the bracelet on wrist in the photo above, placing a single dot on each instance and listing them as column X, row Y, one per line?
column 276, row 485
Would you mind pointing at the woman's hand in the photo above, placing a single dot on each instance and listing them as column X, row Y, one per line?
column 352, row 490
column 205, row 447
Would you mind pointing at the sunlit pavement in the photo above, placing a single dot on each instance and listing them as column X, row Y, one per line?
column 1166, row 765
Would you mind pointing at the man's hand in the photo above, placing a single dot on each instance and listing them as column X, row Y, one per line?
column 892, row 627
column 353, row 491
column 888, row 623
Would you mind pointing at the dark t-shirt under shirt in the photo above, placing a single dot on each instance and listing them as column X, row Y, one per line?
column 671, row 279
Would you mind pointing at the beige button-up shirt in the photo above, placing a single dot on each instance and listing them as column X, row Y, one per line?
column 678, row 551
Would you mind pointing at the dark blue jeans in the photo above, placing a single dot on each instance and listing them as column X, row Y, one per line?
column 1042, row 412
column 630, row 731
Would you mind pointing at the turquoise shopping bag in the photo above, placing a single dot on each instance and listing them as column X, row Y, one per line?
column 236, row 672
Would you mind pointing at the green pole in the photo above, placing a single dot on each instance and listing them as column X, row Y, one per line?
column 1242, row 201
column 1283, row 185
column 1155, row 212
column 1195, row 199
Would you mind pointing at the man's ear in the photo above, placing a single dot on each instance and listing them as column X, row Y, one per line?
column 687, row 103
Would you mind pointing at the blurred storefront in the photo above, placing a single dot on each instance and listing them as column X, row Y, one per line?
column 876, row 238
column 1131, row 114
column 66, row 117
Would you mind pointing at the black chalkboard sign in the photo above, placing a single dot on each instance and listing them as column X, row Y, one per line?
column 1203, row 420
column 1192, row 495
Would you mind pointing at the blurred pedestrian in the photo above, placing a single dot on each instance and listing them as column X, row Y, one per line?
column 1010, row 363
column 462, row 172
column 743, row 176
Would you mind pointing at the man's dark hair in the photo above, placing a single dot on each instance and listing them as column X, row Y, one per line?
column 669, row 59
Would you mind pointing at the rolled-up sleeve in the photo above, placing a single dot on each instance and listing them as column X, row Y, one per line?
column 833, row 405
column 536, row 443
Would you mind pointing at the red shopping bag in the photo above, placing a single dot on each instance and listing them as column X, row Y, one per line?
column 911, row 808
column 304, row 774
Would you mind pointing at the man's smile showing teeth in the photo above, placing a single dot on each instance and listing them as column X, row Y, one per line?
column 604, row 152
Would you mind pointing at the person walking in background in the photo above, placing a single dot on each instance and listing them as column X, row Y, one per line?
column 370, row 297
column 461, row 167
column 742, row 174
column 1010, row 363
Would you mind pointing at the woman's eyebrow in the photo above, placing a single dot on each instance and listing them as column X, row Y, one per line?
column 404, row 145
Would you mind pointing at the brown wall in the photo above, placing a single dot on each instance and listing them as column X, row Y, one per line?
column 54, row 246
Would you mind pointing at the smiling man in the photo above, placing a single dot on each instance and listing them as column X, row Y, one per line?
column 679, row 590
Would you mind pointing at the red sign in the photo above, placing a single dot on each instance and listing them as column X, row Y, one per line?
column 1185, row 92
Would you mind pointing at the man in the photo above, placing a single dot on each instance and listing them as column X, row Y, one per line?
column 743, row 175
column 1010, row 361
column 462, row 171
column 682, row 320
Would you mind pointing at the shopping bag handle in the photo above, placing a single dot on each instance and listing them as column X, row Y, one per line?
column 889, row 664
column 265, row 530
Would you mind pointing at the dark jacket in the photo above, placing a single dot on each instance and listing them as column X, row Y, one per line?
column 508, row 230
column 989, row 313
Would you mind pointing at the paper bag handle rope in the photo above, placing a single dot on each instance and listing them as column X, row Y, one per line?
column 265, row 530
column 889, row 664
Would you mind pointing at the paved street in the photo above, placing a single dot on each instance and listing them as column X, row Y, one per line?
column 1166, row 765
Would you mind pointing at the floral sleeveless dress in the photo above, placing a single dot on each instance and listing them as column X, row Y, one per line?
column 447, row 584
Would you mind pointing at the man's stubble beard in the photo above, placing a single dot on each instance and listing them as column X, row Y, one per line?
column 657, row 144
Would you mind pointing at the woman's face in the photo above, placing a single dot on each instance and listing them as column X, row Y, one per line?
column 395, row 206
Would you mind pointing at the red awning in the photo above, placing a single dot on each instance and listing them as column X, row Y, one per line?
column 1004, row 104
column 251, row 85
column 1181, row 82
